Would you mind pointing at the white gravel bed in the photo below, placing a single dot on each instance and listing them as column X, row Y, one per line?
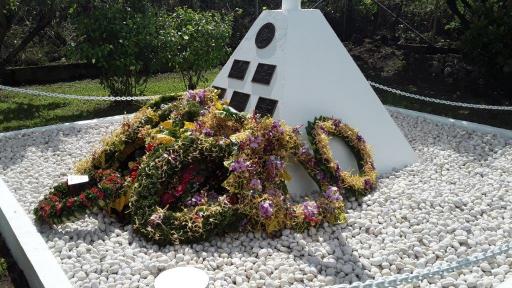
column 456, row 201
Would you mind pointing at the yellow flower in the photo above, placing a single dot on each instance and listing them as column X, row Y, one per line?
column 218, row 105
column 163, row 139
column 238, row 137
column 119, row 203
column 167, row 124
column 189, row 125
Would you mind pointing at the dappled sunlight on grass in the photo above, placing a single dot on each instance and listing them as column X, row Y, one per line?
column 20, row 111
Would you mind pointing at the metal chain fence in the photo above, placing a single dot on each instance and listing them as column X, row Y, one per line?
column 142, row 98
column 439, row 270
column 59, row 95
column 433, row 100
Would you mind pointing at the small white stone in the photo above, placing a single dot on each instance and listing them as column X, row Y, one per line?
column 263, row 253
column 376, row 261
column 485, row 267
column 81, row 276
column 346, row 268
column 448, row 282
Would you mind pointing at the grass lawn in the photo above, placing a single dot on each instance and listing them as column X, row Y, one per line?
column 20, row 111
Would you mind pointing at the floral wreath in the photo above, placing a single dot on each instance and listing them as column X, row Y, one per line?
column 193, row 167
column 319, row 132
column 258, row 175
column 178, row 195
column 61, row 205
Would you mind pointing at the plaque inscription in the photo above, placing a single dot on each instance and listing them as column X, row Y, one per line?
column 264, row 73
column 238, row 69
column 222, row 92
column 265, row 35
column 265, row 107
column 239, row 101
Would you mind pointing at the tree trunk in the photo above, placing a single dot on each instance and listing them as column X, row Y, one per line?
column 348, row 19
column 41, row 24
column 192, row 86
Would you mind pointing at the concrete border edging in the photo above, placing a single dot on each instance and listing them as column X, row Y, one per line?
column 70, row 124
column 27, row 246
column 450, row 121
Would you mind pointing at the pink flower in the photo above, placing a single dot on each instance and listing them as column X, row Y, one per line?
column 150, row 147
column 180, row 190
column 254, row 142
column 197, row 200
column 58, row 209
column 70, row 202
column 83, row 199
column 255, row 184
column 266, row 209
column 98, row 193
column 333, row 194
column 239, row 165
column 310, row 212
column 45, row 209
column 155, row 219
column 54, row 198
column 197, row 96
column 368, row 185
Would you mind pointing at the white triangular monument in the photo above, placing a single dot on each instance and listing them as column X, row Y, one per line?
column 292, row 66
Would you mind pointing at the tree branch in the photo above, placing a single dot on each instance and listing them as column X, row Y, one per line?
column 452, row 5
column 42, row 23
column 6, row 21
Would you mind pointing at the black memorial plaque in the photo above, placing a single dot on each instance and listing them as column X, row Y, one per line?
column 239, row 69
column 265, row 107
column 265, row 35
column 239, row 101
column 264, row 73
column 222, row 92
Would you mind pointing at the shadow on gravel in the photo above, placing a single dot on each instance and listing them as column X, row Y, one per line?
column 14, row 148
column 322, row 251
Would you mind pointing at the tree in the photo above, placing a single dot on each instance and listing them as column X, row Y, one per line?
column 200, row 41
column 486, row 39
column 122, row 38
column 30, row 18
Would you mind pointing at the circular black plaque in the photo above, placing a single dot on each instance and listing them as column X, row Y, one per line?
column 265, row 35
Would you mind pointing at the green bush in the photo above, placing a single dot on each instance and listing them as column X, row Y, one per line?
column 3, row 268
column 200, row 42
column 122, row 39
column 487, row 42
column 486, row 29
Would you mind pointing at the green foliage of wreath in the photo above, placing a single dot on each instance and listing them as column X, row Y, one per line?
column 169, row 176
